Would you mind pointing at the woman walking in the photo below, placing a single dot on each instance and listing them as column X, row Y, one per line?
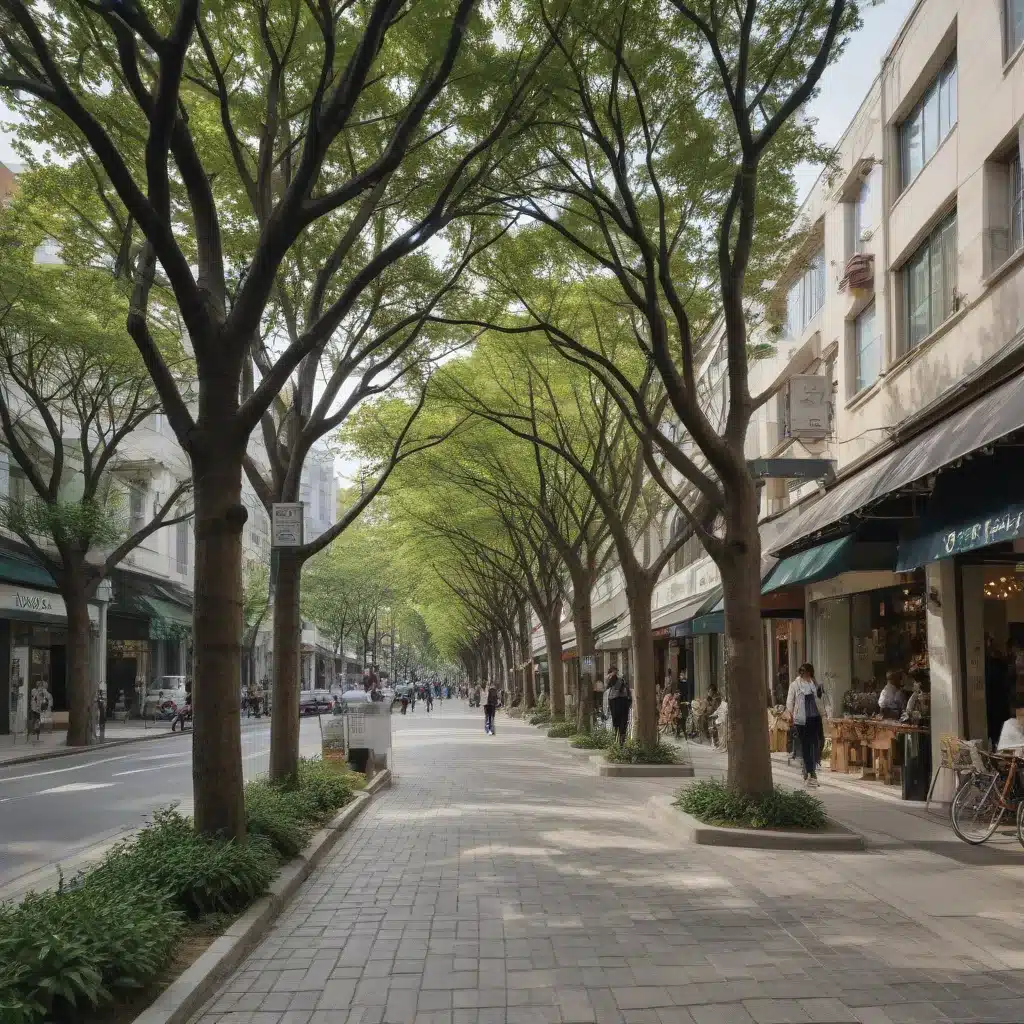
column 805, row 712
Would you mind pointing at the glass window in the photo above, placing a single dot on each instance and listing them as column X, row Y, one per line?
column 1016, row 200
column 924, row 128
column 806, row 296
column 861, row 214
column 1014, row 25
column 868, row 350
column 136, row 505
column 181, row 547
column 929, row 282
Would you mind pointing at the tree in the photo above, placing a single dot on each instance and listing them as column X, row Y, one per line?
column 254, row 613
column 224, row 139
column 666, row 192
column 72, row 390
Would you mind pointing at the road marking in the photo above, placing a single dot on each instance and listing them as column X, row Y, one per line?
column 152, row 768
column 157, row 757
column 76, row 787
column 58, row 771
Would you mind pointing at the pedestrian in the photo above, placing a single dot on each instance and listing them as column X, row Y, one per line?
column 490, row 706
column 891, row 700
column 684, row 699
column 40, row 703
column 619, row 701
column 805, row 712
column 405, row 703
column 429, row 699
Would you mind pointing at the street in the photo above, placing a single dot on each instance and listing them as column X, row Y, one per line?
column 67, row 810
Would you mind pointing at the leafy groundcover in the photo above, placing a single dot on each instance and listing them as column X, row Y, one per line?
column 599, row 739
column 714, row 803
column 111, row 933
column 631, row 752
column 562, row 730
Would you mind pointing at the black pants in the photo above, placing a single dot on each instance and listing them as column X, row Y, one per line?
column 489, row 717
column 807, row 738
column 619, row 709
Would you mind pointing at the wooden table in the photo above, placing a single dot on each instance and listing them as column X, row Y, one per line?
column 778, row 732
column 866, row 745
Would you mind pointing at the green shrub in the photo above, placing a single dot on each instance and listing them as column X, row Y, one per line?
column 279, row 816
column 324, row 788
column 562, row 730
column 65, row 953
column 540, row 718
column 198, row 874
column 631, row 752
column 599, row 739
column 713, row 802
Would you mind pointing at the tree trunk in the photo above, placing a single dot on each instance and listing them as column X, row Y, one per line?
column 750, row 765
column 217, row 632
column 556, row 670
column 510, row 669
column 79, row 688
column 526, row 643
column 530, row 693
column 582, row 620
column 645, row 704
column 284, row 720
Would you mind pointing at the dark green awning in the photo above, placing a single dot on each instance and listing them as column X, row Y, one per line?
column 167, row 620
column 711, row 622
column 14, row 569
column 817, row 563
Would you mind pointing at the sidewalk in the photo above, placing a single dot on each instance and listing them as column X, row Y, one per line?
column 19, row 750
column 501, row 882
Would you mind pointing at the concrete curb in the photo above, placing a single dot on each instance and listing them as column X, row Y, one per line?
column 48, row 755
column 842, row 839
column 188, row 993
column 644, row 771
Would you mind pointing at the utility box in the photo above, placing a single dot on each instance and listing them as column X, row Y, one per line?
column 368, row 728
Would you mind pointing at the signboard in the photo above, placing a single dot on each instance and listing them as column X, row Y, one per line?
column 286, row 524
column 808, row 405
column 25, row 603
column 949, row 539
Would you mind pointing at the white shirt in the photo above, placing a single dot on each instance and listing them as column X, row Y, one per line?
column 891, row 697
column 1012, row 735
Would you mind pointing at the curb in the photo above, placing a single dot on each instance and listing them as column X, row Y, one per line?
column 644, row 771
column 187, row 994
column 843, row 839
column 49, row 755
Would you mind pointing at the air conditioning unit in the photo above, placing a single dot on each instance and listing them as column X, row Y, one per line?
column 805, row 406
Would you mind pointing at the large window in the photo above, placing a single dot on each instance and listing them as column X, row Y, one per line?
column 136, row 509
column 861, row 216
column 929, row 282
column 1016, row 180
column 928, row 123
column 1014, row 13
column 867, row 350
column 806, row 296
column 181, row 547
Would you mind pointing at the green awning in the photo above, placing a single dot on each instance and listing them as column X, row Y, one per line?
column 817, row 563
column 167, row 619
column 14, row 569
column 712, row 622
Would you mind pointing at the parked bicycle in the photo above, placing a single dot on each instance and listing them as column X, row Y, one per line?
column 993, row 789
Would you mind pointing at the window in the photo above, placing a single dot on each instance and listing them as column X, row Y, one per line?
column 861, row 216
column 867, row 350
column 17, row 484
column 1014, row 13
column 806, row 296
column 136, row 505
column 1016, row 181
column 929, row 283
column 928, row 123
column 181, row 547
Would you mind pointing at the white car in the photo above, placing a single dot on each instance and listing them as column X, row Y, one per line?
column 165, row 694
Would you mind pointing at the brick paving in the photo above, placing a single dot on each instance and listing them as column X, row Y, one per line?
column 501, row 882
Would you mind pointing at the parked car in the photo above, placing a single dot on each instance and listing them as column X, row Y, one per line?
column 163, row 698
column 315, row 702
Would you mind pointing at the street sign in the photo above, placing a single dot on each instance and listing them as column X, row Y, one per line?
column 286, row 524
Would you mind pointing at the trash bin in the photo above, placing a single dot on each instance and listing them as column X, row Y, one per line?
column 917, row 765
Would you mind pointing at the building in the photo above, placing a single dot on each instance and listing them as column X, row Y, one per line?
column 901, row 366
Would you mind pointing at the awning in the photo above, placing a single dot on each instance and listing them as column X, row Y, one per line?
column 817, row 563
column 973, row 507
column 710, row 622
column 984, row 421
column 167, row 620
column 696, row 624
column 679, row 612
column 14, row 569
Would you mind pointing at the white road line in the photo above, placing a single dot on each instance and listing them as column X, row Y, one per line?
column 76, row 787
column 58, row 771
column 152, row 768
column 157, row 757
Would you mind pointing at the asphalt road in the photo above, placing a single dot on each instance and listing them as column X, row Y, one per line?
column 68, row 810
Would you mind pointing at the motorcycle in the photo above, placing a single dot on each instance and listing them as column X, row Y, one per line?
column 183, row 716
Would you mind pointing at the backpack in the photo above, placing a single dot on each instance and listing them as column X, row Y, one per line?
column 810, row 707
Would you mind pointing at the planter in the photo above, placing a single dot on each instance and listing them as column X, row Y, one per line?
column 836, row 838
column 644, row 771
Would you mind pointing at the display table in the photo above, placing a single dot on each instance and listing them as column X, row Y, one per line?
column 865, row 745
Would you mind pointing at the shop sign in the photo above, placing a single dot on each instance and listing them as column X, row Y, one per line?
column 34, row 602
column 663, row 631
column 1008, row 525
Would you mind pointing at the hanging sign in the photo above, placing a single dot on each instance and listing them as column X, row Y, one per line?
column 286, row 524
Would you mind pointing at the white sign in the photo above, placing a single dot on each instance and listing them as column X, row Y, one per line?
column 287, row 524
column 809, row 396
column 24, row 602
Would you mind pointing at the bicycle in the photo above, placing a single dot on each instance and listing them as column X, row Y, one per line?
column 993, row 788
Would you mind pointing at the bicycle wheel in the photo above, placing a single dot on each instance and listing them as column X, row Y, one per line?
column 1020, row 822
column 976, row 810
